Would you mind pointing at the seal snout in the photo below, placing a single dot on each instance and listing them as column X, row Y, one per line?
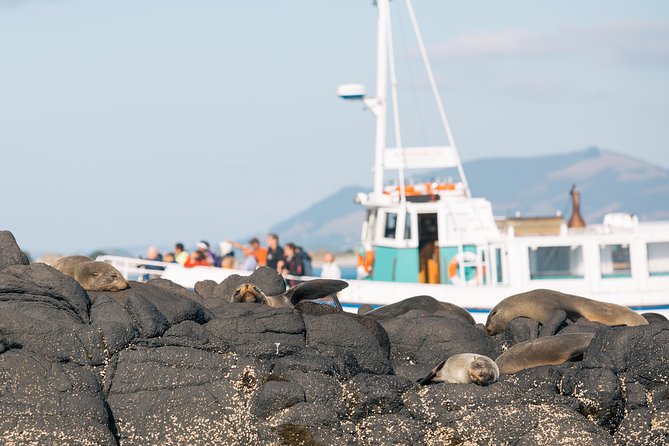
column 247, row 292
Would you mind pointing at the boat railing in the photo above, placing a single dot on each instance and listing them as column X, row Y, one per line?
column 140, row 270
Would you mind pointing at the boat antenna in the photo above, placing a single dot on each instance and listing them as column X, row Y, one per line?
column 435, row 91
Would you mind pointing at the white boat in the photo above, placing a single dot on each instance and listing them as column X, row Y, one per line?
column 433, row 238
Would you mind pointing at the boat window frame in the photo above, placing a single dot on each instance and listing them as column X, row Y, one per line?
column 533, row 276
column 614, row 274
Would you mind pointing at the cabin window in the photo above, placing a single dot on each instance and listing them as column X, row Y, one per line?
column 556, row 262
column 390, row 227
column 407, row 227
column 658, row 259
column 614, row 261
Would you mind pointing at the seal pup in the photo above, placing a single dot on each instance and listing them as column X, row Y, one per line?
column 464, row 368
column 549, row 350
column 309, row 290
column 542, row 304
column 91, row 275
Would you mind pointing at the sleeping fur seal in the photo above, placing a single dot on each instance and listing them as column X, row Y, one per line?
column 550, row 350
column 464, row 368
column 91, row 275
column 542, row 305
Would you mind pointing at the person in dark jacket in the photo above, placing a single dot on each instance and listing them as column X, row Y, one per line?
column 274, row 252
column 293, row 263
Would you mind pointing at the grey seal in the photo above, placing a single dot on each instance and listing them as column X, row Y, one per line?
column 91, row 275
column 549, row 350
column 548, row 307
column 464, row 368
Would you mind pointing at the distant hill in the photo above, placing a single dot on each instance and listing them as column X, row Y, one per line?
column 608, row 182
column 333, row 223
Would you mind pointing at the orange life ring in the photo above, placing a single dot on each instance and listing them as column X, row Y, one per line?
column 367, row 262
column 454, row 264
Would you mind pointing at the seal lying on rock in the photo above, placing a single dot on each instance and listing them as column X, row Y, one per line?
column 464, row 368
column 550, row 350
column 312, row 289
column 543, row 305
column 91, row 275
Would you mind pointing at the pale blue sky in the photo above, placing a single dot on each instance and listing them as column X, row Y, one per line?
column 137, row 122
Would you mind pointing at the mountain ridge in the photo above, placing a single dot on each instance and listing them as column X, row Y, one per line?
column 608, row 181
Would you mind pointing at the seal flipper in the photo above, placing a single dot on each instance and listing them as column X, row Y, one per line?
column 550, row 326
column 432, row 374
column 314, row 289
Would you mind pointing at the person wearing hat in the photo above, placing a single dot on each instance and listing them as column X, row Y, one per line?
column 209, row 256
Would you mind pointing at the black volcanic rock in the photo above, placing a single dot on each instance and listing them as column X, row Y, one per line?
column 160, row 365
column 419, row 341
column 10, row 253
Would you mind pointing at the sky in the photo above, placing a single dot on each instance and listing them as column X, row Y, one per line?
column 131, row 123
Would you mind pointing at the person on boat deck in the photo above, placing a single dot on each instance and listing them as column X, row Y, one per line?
column 169, row 258
column 179, row 254
column 274, row 252
column 227, row 257
column 249, row 263
column 330, row 269
column 153, row 255
column 258, row 251
column 293, row 263
column 209, row 256
column 196, row 258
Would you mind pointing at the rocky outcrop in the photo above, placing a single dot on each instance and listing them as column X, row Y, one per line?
column 157, row 364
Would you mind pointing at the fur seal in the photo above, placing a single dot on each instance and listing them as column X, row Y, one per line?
column 425, row 303
column 549, row 350
column 312, row 289
column 91, row 275
column 541, row 305
column 464, row 368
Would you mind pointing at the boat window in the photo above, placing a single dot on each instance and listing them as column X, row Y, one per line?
column 391, row 225
column 658, row 259
column 556, row 262
column 614, row 261
column 407, row 227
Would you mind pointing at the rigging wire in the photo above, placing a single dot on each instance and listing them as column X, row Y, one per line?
column 412, row 80
column 435, row 91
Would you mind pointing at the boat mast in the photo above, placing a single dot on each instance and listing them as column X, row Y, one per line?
column 380, row 105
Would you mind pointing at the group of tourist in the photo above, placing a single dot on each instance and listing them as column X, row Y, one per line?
column 290, row 260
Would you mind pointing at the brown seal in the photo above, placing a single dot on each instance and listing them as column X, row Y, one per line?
column 542, row 304
column 312, row 289
column 91, row 275
column 464, row 368
column 549, row 350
